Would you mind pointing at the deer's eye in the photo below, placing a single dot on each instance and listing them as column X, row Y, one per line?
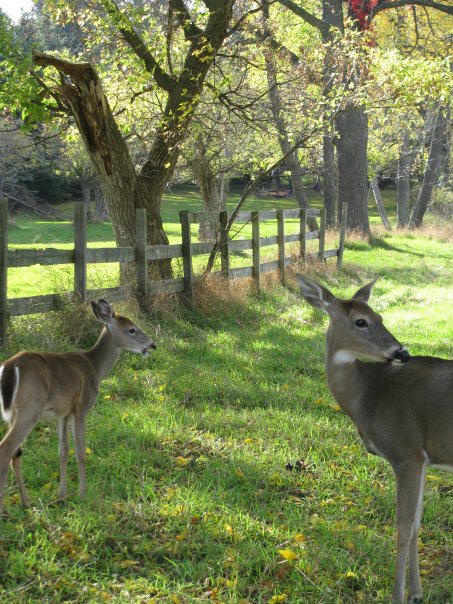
column 361, row 323
column 132, row 331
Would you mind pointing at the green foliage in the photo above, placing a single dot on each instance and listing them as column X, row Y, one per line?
column 19, row 94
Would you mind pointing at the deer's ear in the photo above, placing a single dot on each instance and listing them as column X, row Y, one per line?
column 315, row 294
column 363, row 294
column 103, row 311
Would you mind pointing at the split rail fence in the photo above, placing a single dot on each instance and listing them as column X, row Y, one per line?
column 141, row 254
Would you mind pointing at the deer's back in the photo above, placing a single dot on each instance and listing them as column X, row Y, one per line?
column 51, row 384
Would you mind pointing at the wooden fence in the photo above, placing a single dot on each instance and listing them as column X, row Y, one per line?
column 141, row 253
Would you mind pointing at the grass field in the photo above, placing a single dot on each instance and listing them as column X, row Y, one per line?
column 189, row 499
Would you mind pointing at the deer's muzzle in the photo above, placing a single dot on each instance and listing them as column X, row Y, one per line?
column 401, row 355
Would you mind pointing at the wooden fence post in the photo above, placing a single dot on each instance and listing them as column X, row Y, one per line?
column 186, row 237
column 80, row 251
column 322, row 233
column 303, row 234
column 256, row 272
column 224, row 245
column 344, row 221
column 140, row 256
column 3, row 270
column 281, row 245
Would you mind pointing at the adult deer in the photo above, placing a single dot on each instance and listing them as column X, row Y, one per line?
column 61, row 386
column 401, row 405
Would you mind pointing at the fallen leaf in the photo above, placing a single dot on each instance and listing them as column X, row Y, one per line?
column 288, row 554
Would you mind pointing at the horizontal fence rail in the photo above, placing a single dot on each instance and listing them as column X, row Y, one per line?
column 141, row 254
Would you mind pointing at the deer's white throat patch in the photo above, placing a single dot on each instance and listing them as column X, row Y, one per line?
column 343, row 356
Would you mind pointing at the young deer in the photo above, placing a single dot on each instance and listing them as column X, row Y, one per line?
column 401, row 405
column 61, row 386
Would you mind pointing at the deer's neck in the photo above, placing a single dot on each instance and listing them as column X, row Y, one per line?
column 344, row 376
column 104, row 354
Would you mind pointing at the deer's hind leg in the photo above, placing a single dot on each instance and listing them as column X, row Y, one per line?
column 10, row 452
column 17, row 467
column 78, row 433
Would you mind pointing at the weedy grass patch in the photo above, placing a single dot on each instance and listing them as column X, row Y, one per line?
column 220, row 469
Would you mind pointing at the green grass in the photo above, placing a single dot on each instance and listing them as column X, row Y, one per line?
column 189, row 499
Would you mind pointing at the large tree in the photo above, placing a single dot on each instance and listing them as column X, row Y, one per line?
column 198, row 36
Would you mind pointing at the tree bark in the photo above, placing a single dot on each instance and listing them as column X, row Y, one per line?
column 432, row 170
column 445, row 169
column 211, row 189
column 351, row 143
column 329, row 180
column 100, row 209
column 405, row 161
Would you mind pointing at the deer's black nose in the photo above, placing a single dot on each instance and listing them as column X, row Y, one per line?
column 153, row 346
column 402, row 355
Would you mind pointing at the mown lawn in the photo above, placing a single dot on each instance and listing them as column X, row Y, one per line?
column 189, row 498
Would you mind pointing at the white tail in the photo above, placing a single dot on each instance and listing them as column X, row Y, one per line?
column 401, row 405
column 61, row 386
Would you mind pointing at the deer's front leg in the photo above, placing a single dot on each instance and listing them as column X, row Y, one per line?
column 63, row 443
column 415, row 587
column 409, row 482
column 78, row 432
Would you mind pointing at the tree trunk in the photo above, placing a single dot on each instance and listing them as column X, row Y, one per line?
column 100, row 209
column 445, row 168
column 405, row 161
column 432, row 171
column 211, row 192
column 329, row 180
column 352, row 126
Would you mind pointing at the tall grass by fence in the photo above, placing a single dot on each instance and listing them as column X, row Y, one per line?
column 141, row 254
